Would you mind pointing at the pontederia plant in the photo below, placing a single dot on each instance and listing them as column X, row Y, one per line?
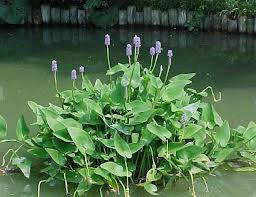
column 139, row 128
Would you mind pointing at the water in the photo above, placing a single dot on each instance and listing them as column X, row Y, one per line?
column 223, row 61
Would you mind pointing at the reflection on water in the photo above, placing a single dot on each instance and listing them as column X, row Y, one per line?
column 226, row 62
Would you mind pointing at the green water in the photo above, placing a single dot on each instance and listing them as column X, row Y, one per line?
column 228, row 63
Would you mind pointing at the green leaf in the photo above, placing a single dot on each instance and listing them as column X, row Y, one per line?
column 115, row 169
column 69, row 122
column 23, row 164
column 173, row 147
column 190, row 152
column 222, row 135
column 223, row 154
column 174, row 90
column 82, row 140
column 92, row 105
column 183, row 77
column 107, row 142
column 87, row 85
column 250, row 133
column 3, row 127
column 150, row 188
column 153, row 175
column 141, row 117
column 159, row 131
column 22, row 129
column 117, row 68
column 190, row 131
column 133, row 75
column 58, row 157
column 125, row 129
column 38, row 152
column 210, row 116
column 138, row 106
column 64, row 147
column 122, row 147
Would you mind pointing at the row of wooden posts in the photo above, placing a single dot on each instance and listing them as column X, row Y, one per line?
column 183, row 19
column 56, row 15
column 174, row 18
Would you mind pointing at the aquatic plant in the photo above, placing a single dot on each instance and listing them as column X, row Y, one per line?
column 139, row 128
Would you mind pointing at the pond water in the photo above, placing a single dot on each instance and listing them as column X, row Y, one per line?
column 226, row 62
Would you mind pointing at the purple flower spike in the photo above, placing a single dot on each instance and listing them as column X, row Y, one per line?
column 158, row 47
column 152, row 51
column 107, row 40
column 170, row 53
column 128, row 50
column 73, row 75
column 81, row 69
column 54, row 66
column 136, row 41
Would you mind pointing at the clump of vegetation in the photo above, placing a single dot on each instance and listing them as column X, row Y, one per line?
column 141, row 128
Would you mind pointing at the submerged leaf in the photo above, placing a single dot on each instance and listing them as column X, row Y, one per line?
column 23, row 164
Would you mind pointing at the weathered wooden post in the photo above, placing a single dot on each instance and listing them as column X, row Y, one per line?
column 65, row 16
column 208, row 23
column 122, row 17
column 37, row 16
column 46, row 13
column 73, row 14
column 164, row 19
column 29, row 15
column 250, row 25
column 139, row 18
column 217, row 22
column 81, row 17
column 147, row 16
column 190, row 15
column 241, row 22
column 182, row 17
column 131, row 14
column 254, row 25
column 232, row 25
column 155, row 17
column 224, row 23
column 55, row 15
column 173, row 17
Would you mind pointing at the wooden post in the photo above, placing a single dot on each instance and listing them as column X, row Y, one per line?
column 131, row 14
column 147, row 16
column 173, row 17
column 122, row 17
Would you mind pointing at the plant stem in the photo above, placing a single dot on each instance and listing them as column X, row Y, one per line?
column 167, row 73
column 108, row 59
column 155, row 62
column 87, row 167
column 56, row 88
column 193, row 186
column 151, row 62
column 66, row 183
column 127, row 178
column 129, row 58
column 39, row 187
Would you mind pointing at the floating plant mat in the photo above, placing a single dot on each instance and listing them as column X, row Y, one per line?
column 142, row 127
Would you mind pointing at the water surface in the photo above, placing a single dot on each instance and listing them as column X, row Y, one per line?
column 226, row 62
